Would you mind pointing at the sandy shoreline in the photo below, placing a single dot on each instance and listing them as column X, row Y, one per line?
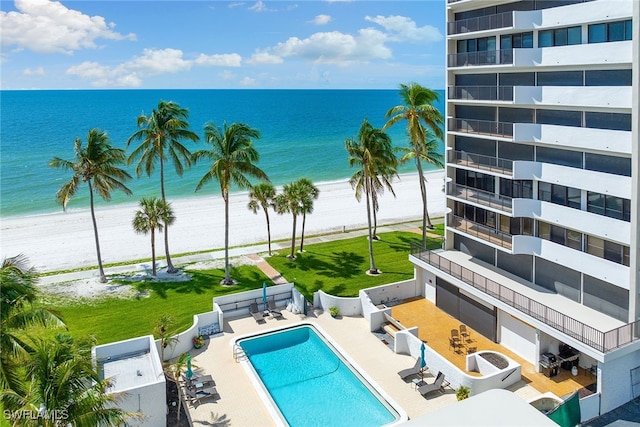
column 62, row 240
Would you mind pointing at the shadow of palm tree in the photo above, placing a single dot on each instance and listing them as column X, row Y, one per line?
column 215, row 420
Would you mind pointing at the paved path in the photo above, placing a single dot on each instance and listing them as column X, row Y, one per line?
column 253, row 252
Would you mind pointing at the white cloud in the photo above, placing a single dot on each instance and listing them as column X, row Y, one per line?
column 151, row 62
column 262, row 57
column 334, row 47
column 401, row 28
column 248, row 81
column 33, row 72
column 235, row 4
column 46, row 26
column 322, row 19
column 259, row 6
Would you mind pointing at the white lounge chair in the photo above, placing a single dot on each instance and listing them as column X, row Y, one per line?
column 196, row 396
column 414, row 370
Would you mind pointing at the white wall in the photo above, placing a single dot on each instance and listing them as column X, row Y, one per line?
column 572, row 96
column 588, row 55
column 572, row 15
column 518, row 337
column 149, row 400
column 605, row 140
column 614, row 380
column 348, row 306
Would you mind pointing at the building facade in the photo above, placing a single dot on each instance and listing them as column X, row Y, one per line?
column 542, row 225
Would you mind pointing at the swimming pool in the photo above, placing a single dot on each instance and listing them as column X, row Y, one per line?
column 311, row 383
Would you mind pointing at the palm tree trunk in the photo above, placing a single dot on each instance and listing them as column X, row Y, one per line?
column 372, row 265
column 103, row 278
column 426, row 221
column 375, row 219
column 227, row 275
column 170, row 267
column 293, row 239
column 304, row 220
column 266, row 214
column 153, row 251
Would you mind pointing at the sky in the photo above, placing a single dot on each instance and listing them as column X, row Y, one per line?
column 153, row 44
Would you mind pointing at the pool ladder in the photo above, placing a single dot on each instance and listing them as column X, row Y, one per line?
column 238, row 353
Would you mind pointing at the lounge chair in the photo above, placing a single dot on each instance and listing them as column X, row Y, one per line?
column 257, row 314
column 464, row 333
column 273, row 309
column 436, row 385
column 414, row 370
column 196, row 396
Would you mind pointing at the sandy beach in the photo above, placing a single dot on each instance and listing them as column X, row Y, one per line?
column 65, row 240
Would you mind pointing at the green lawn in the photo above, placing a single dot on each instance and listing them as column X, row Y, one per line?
column 336, row 267
column 339, row 267
column 116, row 319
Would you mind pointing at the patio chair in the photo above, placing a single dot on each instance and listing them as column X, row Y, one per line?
column 196, row 396
column 257, row 314
column 464, row 333
column 455, row 344
column 414, row 370
column 436, row 385
column 273, row 309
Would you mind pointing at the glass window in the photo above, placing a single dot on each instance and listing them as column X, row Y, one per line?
column 560, row 78
column 520, row 79
column 559, row 157
column 574, row 35
column 472, row 45
column 597, row 33
column 505, row 223
column 607, row 78
column 626, row 209
column 462, row 46
column 527, row 226
column 545, row 38
column 627, row 30
column 595, row 246
column 527, row 38
column 616, row 31
column 505, row 42
column 574, row 197
column 595, row 203
column 613, row 252
column 544, row 191
column 560, row 37
column 559, row 117
column 608, row 164
column 544, row 230
column 490, row 220
column 557, row 234
column 559, row 194
column 612, row 121
column 613, row 207
column 625, row 255
column 574, row 240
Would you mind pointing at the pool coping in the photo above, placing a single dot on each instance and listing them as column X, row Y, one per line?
column 265, row 396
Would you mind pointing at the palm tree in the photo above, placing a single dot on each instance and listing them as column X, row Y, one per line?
column 307, row 206
column 261, row 196
column 97, row 165
column 60, row 379
column 18, row 293
column 373, row 154
column 386, row 174
column 233, row 157
column 161, row 133
column 152, row 215
column 421, row 115
column 166, row 332
column 292, row 200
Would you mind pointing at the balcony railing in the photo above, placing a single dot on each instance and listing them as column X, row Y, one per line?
column 482, row 197
column 481, row 127
column 485, row 57
column 481, row 93
column 488, row 234
column 479, row 161
column 481, row 23
column 594, row 338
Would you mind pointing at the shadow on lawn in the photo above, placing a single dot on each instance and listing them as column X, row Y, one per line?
column 204, row 281
column 339, row 264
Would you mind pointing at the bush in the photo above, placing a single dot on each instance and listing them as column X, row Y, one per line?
column 462, row 392
column 334, row 311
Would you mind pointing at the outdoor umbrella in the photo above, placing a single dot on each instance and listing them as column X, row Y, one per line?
column 423, row 363
column 189, row 373
column 264, row 294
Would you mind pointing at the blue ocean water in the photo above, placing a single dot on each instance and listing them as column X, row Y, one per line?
column 302, row 135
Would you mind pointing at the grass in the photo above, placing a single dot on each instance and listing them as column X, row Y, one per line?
column 115, row 319
column 336, row 267
column 339, row 267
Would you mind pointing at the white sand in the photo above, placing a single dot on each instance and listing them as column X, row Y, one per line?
column 65, row 240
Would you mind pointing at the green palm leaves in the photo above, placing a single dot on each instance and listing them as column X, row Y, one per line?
column 424, row 128
column 154, row 214
column 261, row 196
column 372, row 154
column 233, row 161
column 97, row 164
column 161, row 134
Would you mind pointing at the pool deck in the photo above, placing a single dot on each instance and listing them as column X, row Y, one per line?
column 240, row 403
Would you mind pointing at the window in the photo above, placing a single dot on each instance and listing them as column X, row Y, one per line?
column 611, row 206
column 517, row 41
column 608, row 164
column 610, row 32
column 560, row 37
column 574, row 240
column 595, row 246
column 607, row 78
column 612, row 121
column 544, row 191
column 544, row 230
column 545, row 38
column 574, row 35
column 595, row 203
column 557, row 235
column 613, row 252
column 559, row 157
column 559, row 117
column 560, row 78
column 574, row 197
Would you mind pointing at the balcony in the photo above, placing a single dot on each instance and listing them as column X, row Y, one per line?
column 478, row 161
column 486, row 57
column 602, row 341
column 480, row 93
column 480, row 127
column 481, row 197
column 480, row 23
column 482, row 232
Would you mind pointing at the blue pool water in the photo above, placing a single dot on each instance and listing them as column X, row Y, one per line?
column 311, row 384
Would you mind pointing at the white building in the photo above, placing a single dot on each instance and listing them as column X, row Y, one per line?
column 543, row 202
column 135, row 368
